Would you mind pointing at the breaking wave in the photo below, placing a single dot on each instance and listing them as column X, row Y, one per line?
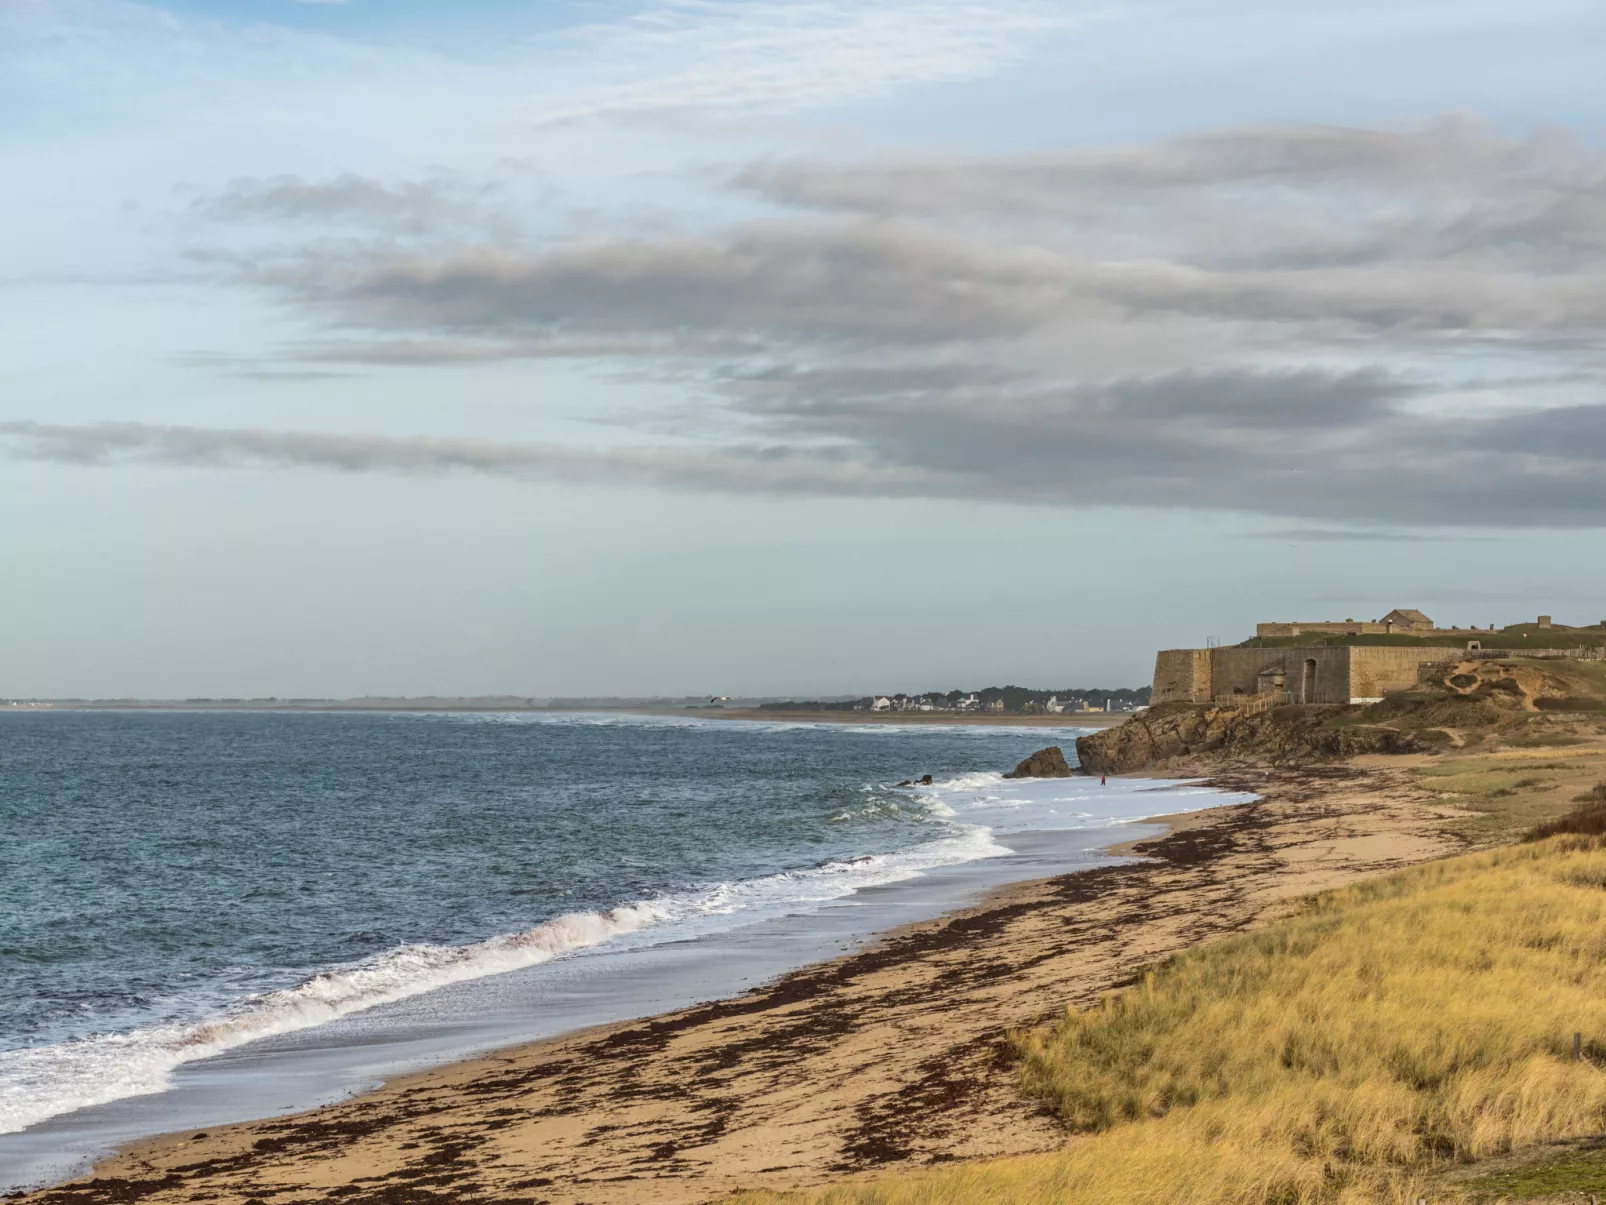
column 45, row 1081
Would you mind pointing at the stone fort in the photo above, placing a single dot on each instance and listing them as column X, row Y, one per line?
column 1295, row 663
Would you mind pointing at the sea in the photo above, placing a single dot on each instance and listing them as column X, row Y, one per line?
column 209, row 916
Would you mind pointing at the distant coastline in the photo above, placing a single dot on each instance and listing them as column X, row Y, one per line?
column 1068, row 719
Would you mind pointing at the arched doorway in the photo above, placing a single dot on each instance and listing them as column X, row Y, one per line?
column 1307, row 687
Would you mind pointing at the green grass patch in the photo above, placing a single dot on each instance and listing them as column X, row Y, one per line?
column 1579, row 1172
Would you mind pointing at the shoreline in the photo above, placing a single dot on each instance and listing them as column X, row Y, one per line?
column 909, row 718
column 966, row 719
column 1040, row 828
column 890, row 1055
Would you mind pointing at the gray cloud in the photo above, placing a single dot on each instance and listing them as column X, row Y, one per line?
column 1356, row 326
column 470, row 351
column 408, row 207
column 1395, row 477
column 771, row 469
column 789, row 282
column 1275, row 196
column 289, row 375
column 1572, row 432
column 1350, row 535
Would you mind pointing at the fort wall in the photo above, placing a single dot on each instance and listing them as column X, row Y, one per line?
column 1314, row 674
column 1308, row 675
column 1343, row 673
column 1182, row 676
column 1375, row 672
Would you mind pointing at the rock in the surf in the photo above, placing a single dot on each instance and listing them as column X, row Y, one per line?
column 1045, row 763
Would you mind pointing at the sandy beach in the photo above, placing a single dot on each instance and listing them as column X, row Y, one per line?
column 894, row 1055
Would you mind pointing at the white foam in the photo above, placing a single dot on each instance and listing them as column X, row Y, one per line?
column 1010, row 805
column 971, row 782
column 45, row 1081
column 40, row 1082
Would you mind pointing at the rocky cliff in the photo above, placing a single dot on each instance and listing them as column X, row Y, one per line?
column 1171, row 732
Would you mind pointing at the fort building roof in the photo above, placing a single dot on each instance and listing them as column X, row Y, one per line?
column 1408, row 615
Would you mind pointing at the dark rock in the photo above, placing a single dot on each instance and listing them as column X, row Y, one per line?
column 916, row 782
column 1045, row 763
column 1174, row 731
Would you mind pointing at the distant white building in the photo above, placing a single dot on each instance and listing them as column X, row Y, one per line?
column 882, row 703
column 1054, row 705
column 969, row 703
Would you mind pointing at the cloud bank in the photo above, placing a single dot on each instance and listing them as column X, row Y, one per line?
column 1351, row 325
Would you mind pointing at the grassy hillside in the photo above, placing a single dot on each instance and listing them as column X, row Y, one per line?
column 1409, row 1036
column 1516, row 636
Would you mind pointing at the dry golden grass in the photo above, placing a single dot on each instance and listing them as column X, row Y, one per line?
column 1344, row 1056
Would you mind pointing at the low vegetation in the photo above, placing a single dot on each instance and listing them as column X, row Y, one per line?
column 1511, row 792
column 1381, row 1045
column 1587, row 820
column 1517, row 636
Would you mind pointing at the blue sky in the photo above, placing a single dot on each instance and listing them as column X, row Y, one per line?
column 584, row 348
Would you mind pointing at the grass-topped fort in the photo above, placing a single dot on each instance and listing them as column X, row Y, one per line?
column 1353, row 661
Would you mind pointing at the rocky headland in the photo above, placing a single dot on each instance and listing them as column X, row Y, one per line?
column 1179, row 736
column 1474, row 703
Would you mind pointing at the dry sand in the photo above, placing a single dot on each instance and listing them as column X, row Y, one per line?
column 892, row 1056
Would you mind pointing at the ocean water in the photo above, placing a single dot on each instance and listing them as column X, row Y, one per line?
column 175, row 886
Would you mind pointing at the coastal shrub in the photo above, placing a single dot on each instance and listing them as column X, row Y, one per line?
column 1347, row 1056
column 1590, row 819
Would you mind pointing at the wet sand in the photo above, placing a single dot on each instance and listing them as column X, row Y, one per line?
column 892, row 1056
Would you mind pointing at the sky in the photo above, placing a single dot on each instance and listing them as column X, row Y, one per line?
column 579, row 347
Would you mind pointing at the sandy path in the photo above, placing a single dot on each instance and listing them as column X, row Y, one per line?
column 883, row 1057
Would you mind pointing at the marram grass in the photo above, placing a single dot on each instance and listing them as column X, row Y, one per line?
column 1346, row 1055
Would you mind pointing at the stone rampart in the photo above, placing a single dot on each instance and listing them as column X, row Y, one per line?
column 1182, row 676
column 1320, row 673
column 1375, row 671
column 1597, row 653
column 1310, row 674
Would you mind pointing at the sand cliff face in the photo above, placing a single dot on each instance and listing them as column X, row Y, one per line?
column 1171, row 732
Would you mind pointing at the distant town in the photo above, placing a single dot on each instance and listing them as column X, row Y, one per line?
column 996, row 699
